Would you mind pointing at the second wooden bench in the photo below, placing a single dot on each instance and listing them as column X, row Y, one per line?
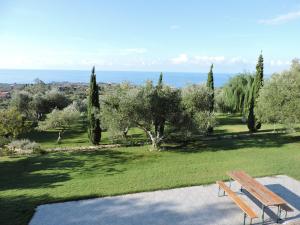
column 248, row 211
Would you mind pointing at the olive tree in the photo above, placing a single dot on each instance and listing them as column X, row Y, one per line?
column 60, row 120
column 12, row 123
column 279, row 99
column 116, row 110
column 153, row 108
column 147, row 107
column 196, row 101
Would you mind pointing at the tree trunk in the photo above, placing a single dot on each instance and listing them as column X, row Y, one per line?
column 59, row 137
column 156, row 141
column 125, row 132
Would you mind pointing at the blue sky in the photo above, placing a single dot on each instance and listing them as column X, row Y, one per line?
column 143, row 35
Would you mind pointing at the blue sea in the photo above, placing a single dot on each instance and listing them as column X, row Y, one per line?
column 175, row 79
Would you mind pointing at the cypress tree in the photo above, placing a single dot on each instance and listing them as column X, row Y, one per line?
column 94, row 130
column 210, row 86
column 159, row 123
column 259, row 79
column 251, row 116
column 160, row 80
column 253, row 124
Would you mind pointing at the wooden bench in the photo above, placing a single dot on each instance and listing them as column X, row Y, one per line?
column 238, row 201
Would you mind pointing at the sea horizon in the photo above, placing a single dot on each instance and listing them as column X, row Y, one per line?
column 176, row 79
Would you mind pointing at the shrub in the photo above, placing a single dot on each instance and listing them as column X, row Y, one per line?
column 3, row 141
column 24, row 146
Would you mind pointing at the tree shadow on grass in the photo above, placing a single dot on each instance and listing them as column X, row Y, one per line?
column 50, row 170
column 259, row 140
column 19, row 209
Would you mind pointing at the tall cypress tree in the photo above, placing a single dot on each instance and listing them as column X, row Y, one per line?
column 159, row 123
column 160, row 80
column 210, row 86
column 251, row 117
column 94, row 130
column 259, row 80
column 253, row 124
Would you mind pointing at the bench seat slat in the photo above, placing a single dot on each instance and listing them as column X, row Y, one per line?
column 237, row 200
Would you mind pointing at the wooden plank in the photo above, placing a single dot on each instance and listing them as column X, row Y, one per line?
column 237, row 200
column 259, row 191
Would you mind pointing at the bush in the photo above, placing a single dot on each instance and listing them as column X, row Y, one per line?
column 24, row 146
column 3, row 141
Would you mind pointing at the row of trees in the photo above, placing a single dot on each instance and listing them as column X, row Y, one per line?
column 158, row 109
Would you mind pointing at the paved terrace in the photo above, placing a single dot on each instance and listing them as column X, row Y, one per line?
column 181, row 206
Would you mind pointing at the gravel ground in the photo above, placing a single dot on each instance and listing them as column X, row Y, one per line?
column 181, row 206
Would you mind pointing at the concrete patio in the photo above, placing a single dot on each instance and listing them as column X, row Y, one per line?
column 181, row 206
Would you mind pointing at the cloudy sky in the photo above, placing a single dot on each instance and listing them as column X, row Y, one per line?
column 143, row 35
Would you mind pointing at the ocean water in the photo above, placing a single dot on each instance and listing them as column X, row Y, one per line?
column 175, row 79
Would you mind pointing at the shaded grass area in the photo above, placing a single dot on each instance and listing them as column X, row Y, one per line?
column 77, row 136
column 28, row 181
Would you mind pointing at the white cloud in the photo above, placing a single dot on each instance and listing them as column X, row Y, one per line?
column 182, row 58
column 279, row 62
column 238, row 59
column 128, row 51
column 174, row 27
column 206, row 60
column 281, row 18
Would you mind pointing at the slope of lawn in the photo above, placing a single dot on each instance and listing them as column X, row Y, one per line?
column 26, row 182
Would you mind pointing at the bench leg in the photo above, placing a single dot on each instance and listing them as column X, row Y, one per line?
column 245, row 218
column 285, row 215
column 230, row 182
column 219, row 192
column 263, row 214
column 278, row 213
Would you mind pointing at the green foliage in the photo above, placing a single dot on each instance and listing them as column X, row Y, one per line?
column 60, row 120
column 21, row 101
column 279, row 99
column 153, row 107
column 94, row 129
column 196, row 102
column 235, row 96
column 56, row 99
column 12, row 123
column 34, row 105
column 116, row 110
column 251, row 117
column 210, row 86
column 148, row 107
column 3, row 141
column 24, row 146
column 253, row 123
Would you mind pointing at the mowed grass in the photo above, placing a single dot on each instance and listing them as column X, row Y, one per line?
column 76, row 137
column 26, row 182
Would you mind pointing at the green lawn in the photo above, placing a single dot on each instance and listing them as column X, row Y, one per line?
column 26, row 182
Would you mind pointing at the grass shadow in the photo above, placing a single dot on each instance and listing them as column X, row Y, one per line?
column 259, row 140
